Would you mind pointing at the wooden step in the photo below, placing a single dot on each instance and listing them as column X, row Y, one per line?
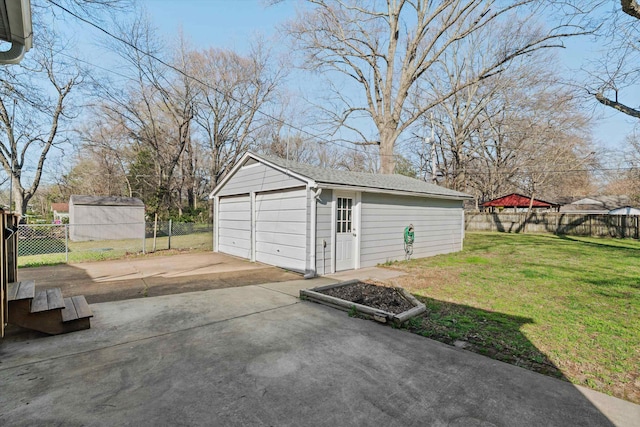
column 57, row 318
column 46, row 300
column 76, row 308
column 24, row 289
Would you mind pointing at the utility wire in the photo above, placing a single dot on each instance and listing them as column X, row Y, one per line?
column 267, row 115
column 516, row 172
column 474, row 171
column 183, row 73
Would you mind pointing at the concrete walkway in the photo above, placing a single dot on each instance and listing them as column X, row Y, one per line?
column 257, row 355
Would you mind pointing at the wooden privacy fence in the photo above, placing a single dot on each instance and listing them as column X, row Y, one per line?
column 8, row 261
column 595, row 225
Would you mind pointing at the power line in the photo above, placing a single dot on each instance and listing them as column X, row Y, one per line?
column 183, row 73
column 109, row 70
column 267, row 115
column 481, row 172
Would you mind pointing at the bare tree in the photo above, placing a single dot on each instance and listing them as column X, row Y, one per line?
column 520, row 131
column 233, row 91
column 35, row 104
column 105, row 153
column 390, row 49
column 613, row 75
column 36, row 97
column 156, row 108
column 623, row 178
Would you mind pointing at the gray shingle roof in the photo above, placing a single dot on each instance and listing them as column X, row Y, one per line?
column 365, row 180
column 105, row 201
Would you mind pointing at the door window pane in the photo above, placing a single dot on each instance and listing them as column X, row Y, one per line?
column 344, row 215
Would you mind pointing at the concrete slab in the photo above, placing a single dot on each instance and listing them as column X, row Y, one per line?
column 123, row 279
column 293, row 287
column 255, row 356
column 373, row 273
column 134, row 320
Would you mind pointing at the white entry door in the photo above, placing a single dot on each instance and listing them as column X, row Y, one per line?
column 345, row 232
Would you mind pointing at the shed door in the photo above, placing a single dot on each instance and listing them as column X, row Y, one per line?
column 234, row 226
column 281, row 229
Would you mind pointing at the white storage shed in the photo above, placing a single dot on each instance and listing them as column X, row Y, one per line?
column 105, row 218
column 319, row 221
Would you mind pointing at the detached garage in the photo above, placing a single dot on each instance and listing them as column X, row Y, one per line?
column 319, row 221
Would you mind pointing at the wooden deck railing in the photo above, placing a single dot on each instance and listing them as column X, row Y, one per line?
column 8, row 261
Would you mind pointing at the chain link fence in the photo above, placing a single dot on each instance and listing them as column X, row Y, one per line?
column 58, row 243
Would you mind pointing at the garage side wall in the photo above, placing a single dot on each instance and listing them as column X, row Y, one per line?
column 438, row 226
column 324, row 254
column 258, row 177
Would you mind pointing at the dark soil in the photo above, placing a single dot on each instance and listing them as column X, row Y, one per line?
column 378, row 297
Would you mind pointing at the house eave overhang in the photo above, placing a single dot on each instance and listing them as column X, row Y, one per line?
column 339, row 187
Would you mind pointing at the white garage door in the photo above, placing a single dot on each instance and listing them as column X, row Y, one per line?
column 281, row 227
column 234, row 226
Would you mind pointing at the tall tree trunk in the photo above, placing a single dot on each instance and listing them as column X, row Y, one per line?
column 387, row 141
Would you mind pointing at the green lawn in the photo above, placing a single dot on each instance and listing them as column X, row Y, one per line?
column 110, row 249
column 564, row 306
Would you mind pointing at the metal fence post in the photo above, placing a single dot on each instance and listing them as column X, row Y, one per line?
column 169, row 244
column 66, row 243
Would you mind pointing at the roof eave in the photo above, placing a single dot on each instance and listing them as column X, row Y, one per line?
column 330, row 186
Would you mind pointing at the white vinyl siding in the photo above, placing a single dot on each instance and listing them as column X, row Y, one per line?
column 281, row 229
column 437, row 224
column 104, row 222
column 323, row 233
column 258, row 178
column 234, row 226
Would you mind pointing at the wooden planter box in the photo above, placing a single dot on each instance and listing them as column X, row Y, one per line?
column 382, row 316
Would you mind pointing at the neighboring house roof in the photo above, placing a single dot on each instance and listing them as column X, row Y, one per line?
column 331, row 177
column 515, row 200
column 586, row 208
column 596, row 204
column 588, row 201
column 607, row 202
column 625, row 210
column 105, row 201
column 60, row 207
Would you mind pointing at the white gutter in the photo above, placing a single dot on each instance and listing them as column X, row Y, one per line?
column 394, row 192
column 16, row 19
column 216, row 225
column 314, row 224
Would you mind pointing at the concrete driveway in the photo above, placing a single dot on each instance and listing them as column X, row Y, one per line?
column 123, row 279
column 257, row 355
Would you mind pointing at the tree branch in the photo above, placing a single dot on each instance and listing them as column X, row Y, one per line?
column 618, row 106
column 631, row 7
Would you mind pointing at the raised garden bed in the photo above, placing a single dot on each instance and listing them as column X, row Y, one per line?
column 383, row 304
